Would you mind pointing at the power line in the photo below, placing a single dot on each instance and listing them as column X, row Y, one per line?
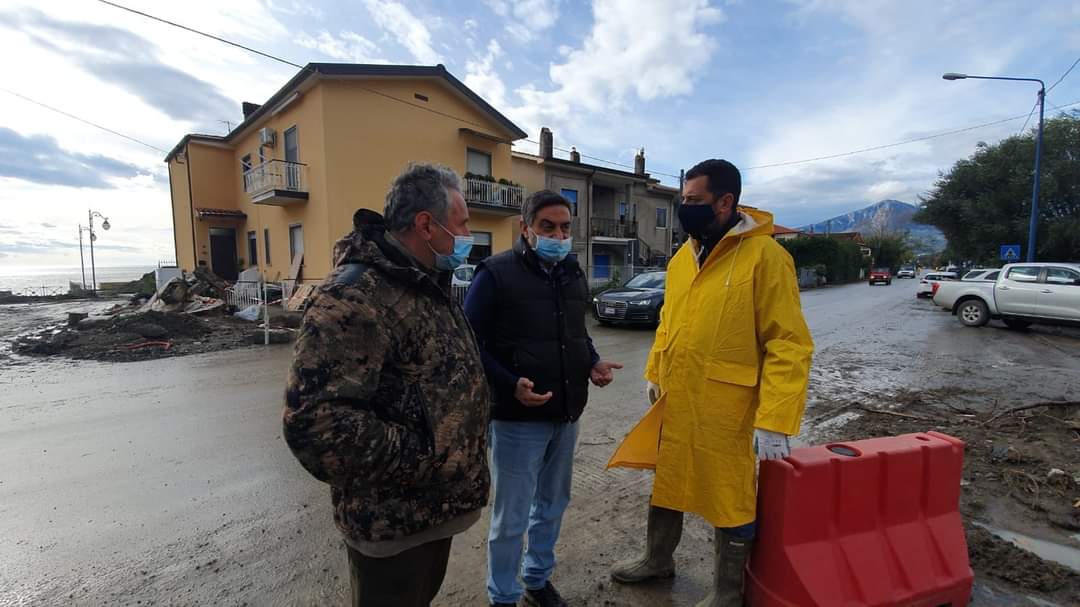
column 895, row 144
column 1063, row 76
column 281, row 60
column 195, row 31
column 764, row 166
column 1030, row 114
column 83, row 120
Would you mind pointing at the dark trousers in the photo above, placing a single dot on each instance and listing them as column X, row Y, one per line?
column 409, row 579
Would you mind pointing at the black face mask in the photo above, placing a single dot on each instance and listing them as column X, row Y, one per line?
column 696, row 219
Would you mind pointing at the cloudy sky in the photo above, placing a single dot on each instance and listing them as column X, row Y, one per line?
column 756, row 82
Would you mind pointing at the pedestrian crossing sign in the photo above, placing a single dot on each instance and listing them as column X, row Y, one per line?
column 1010, row 252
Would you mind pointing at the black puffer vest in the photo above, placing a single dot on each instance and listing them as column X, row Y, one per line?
column 540, row 334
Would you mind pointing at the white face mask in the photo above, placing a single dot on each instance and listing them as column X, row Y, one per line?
column 551, row 250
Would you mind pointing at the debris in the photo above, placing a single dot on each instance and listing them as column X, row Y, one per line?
column 150, row 330
column 75, row 317
column 1063, row 403
column 298, row 301
column 277, row 336
column 250, row 313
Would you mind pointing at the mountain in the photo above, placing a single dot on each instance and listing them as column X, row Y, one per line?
column 890, row 215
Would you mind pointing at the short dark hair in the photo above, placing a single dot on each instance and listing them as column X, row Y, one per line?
column 542, row 200
column 724, row 178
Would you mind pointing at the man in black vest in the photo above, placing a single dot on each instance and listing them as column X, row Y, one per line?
column 528, row 308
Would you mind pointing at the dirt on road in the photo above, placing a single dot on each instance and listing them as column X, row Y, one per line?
column 166, row 482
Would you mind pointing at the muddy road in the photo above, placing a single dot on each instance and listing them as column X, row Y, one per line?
column 167, row 482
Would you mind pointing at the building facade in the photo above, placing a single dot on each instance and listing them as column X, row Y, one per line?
column 622, row 220
column 281, row 188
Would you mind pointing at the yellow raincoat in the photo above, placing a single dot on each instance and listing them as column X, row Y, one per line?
column 732, row 353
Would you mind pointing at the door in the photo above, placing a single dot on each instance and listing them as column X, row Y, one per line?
column 223, row 259
column 292, row 157
column 296, row 242
column 1018, row 291
column 602, row 266
column 1059, row 296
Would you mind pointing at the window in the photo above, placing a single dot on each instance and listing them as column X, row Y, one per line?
column 253, row 250
column 570, row 195
column 661, row 218
column 292, row 154
column 245, row 166
column 992, row 276
column 477, row 162
column 266, row 245
column 296, row 242
column 622, row 210
column 481, row 249
column 1062, row 276
column 1024, row 274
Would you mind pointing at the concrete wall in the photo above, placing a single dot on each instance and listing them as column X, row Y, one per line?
column 183, row 231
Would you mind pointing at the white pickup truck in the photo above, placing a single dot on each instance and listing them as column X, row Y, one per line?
column 1024, row 294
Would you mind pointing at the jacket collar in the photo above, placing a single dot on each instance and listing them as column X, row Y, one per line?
column 367, row 244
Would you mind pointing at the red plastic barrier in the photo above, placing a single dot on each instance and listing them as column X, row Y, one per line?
column 865, row 523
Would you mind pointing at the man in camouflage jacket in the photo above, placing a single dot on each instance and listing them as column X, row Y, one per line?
column 387, row 401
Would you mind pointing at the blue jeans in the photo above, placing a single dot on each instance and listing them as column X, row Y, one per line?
column 532, row 466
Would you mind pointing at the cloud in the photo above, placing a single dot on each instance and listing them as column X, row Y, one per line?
column 48, row 225
column 31, row 247
column 124, row 59
column 347, row 46
column 480, row 76
column 526, row 17
column 40, row 159
column 407, row 29
column 621, row 60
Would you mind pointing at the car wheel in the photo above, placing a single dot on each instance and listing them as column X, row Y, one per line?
column 973, row 313
column 1016, row 324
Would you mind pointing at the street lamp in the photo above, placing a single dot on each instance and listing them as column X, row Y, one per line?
column 93, row 237
column 1034, row 225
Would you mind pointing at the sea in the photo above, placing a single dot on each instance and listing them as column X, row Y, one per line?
column 54, row 280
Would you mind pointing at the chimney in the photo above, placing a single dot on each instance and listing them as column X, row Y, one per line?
column 547, row 144
column 639, row 162
column 575, row 156
column 249, row 108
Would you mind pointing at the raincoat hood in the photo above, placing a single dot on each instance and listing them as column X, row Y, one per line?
column 367, row 244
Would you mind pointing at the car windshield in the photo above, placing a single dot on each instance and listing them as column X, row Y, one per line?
column 974, row 274
column 881, row 270
column 650, row 280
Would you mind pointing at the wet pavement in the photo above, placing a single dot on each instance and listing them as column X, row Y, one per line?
column 167, row 482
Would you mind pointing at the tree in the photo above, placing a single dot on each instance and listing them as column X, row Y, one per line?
column 842, row 259
column 984, row 201
column 890, row 249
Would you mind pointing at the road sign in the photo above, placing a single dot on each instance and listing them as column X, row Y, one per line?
column 1010, row 252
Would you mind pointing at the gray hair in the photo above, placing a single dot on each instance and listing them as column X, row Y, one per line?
column 419, row 188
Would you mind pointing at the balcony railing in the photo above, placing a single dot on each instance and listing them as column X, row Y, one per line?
column 613, row 228
column 277, row 182
column 491, row 194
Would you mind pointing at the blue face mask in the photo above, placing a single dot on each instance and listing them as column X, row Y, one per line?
column 552, row 250
column 462, row 247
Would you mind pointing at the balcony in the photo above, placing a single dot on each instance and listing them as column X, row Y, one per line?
column 277, row 182
column 491, row 196
column 606, row 227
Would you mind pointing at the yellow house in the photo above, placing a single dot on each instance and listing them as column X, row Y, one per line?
column 282, row 187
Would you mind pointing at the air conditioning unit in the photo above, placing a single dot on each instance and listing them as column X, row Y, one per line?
column 267, row 136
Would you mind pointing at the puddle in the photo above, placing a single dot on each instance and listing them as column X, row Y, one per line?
column 1051, row 551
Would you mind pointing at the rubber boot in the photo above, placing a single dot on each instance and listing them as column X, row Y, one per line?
column 731, row 556
column 662, row 537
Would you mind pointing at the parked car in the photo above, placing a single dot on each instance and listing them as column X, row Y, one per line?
column 880, row 275
column 906, row 272
column 1024, row 293
column 927, row 284
column 983, row 274
column 638, row 301
column 463, row 276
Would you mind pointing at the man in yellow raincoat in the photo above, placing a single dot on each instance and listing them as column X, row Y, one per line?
column 727, row 376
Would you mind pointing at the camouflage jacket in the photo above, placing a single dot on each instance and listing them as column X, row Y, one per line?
column 387, row 400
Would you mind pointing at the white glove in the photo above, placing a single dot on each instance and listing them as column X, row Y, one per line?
column 652, row 391
column 770, row 445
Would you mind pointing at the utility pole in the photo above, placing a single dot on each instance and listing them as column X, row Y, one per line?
column 82, row 262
